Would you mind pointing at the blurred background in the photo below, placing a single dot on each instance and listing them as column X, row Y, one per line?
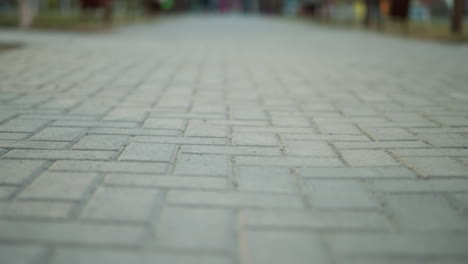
column 420, row 18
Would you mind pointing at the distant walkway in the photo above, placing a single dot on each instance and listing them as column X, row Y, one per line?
column 232, row 140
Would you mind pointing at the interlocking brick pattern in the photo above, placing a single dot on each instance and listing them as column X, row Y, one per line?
column 232, row 140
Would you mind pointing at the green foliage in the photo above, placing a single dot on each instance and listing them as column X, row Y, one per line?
column 75, row 21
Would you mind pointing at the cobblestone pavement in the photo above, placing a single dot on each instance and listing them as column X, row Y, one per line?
column 226, row 140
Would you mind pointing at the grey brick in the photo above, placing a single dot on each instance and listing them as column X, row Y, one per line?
column 464, row 161
column 191, row 164
column 246, row 114
column 381, row 145
column 59, row 133
column 18, row 171
column 59, row 103
column 60, row 232
column 321, row 221
column 19, row 125
column 4, row 116
column 58, row 116
column 181, row 140
column 337, row 128
column 266, row 179
column 289, row 161
column 217, row 121
column 320, row 137
column 106, row 256
column 230, row 150
column 424, row 212
column 451, row 120
column 371, row 172
column 110, row 124
column 368, row 158
column 358, row 110
column 12, row 136
column 162, row 123
column 192, row 116
column 126, row 114
column 60, row 154
column 448, row 185
column 7, row 191
column 462, row 199
column 454, row 152
column 30, row 100
column 254, row 139
column 389, row 133
column 200, row 129
column 167, row 181
column 401, row 185
column 108, row 166
column 404, row 115
column 445, row 140
column 234, row 199
column 90, row 109
column 370, row 259
column 32, row 144
column 195, row 228
column 134, row 131
column 309, row 148
column 28, row 209
column 271, row 246
column 421, row 185
column 396, row 244
column 56, row 185
column 404, row 124
column 340, row 195
column 290, row 121
column 107, row 204
column 104, row 142
column 274, row 129
column 436, row 166
column 21, row 254
column 440, row 130
column 211, row 109
column 148, row 152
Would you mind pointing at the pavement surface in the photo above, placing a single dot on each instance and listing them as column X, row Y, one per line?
column 225, row 140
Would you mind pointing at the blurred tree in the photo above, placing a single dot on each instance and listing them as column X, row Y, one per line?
column 26, row 11
column 458, row 11
column 152, row 6
column 399, row 10
column 105, row 5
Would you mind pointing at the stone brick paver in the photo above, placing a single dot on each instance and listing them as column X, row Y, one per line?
column 232, row 140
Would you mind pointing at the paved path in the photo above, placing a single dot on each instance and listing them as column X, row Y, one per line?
column 230, row 140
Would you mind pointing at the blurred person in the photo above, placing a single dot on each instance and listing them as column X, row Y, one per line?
column 373, row 12
column 385, row 6
column 359, row 10
column 152, row 6
column 224, row 5
column 419, row 11
column 205, row 4
column 246, row 6
column 291, row 7
column 309, row 8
